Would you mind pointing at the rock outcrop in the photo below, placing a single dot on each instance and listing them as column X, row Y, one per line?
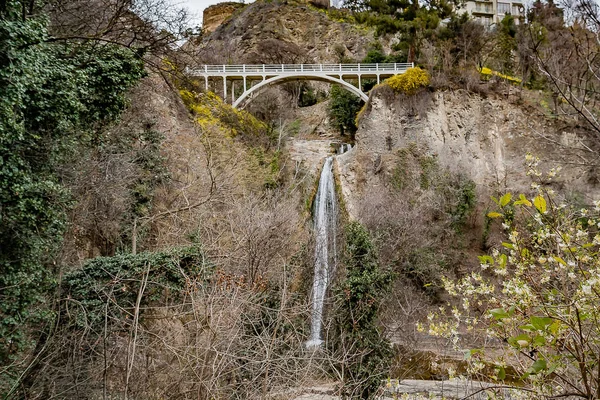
column 485, row 139
column 213, row 16
column 315, row 37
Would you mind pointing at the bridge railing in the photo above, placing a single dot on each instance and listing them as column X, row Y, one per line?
column 298, row 68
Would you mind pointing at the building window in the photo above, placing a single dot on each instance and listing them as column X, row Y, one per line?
column 503, row 8
column 517, row 10
column 485, row 21
column 484, row 8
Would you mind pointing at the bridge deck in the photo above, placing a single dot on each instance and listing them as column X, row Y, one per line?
column 271, row 73
column 260, row 71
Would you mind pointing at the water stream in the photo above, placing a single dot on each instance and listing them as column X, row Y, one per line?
column 325, row 222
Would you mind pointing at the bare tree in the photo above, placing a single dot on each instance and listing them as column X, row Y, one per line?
column 569, row 57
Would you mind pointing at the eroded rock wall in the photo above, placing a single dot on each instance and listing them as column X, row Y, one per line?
column 485, row 139
column 213, row 16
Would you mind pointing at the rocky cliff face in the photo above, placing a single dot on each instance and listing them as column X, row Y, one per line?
column 213, row 16
column 314, row 36
column 483, row 139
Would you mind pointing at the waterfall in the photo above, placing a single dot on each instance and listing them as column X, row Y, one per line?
column 325, row 220
column 344, row 148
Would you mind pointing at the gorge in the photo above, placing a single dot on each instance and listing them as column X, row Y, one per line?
column 431, row 232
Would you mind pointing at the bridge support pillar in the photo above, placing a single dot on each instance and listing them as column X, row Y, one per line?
column 378, row 79
column 232, row 92
column 245, row 83
column 206, row 83
column 225, row 89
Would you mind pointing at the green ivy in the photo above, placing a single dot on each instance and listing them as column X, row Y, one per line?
column 116, row 281
column 54, row 98
column 358, row 299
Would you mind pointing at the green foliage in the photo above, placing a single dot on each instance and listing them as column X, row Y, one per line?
column 409, row 82
column 53, row 99
column 367, row 354
column 108, row 287
column 308, row 96
column 343, row 108
column 467, row 200
column 428, row 167
column 144, row 145
column 507, row 45
column 538, row 292
column 425, row 267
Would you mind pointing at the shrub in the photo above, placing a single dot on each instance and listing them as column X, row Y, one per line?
column 535, row 297
column 343, row 108
column 366, row 353
column 410, row 81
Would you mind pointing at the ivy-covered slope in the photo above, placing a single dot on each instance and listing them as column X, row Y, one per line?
column 55, row 99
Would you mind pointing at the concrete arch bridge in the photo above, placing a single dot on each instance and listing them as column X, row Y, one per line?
column 255, row 78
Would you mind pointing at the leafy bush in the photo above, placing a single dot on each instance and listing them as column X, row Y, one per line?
column 54, row 100
column 536, row 295
column 112, row 284
column 343, row 108
column 367, row 354
column 410, row 81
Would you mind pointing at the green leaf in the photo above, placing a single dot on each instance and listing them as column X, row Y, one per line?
column 508, row 245
column 522, row 200
column 540, row 203
column 486, row 259
column 494, row 214
column 499, row 313
column 501, row 373
column 539, row 341
column 537, row 366
column 528, row 328
column 560, row 260
column 540, row 323
column 520, row 341
column 504, row 200
column 471, row 352
column 555, row 327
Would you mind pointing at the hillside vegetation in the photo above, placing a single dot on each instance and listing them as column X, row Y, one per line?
column 156, row 242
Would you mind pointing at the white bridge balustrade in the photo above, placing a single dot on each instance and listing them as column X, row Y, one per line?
column 256, row 77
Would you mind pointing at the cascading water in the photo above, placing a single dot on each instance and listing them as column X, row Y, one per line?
column 325, row 215
column 325, row 223
column 344, row 148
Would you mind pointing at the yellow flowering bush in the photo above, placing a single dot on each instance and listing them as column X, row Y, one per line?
column 410, row 81
column 210, row 110
column 487, row 73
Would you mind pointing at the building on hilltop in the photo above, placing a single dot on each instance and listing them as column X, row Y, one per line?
column 488, row 12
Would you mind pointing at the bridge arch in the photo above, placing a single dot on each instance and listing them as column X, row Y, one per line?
column 245, row 97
